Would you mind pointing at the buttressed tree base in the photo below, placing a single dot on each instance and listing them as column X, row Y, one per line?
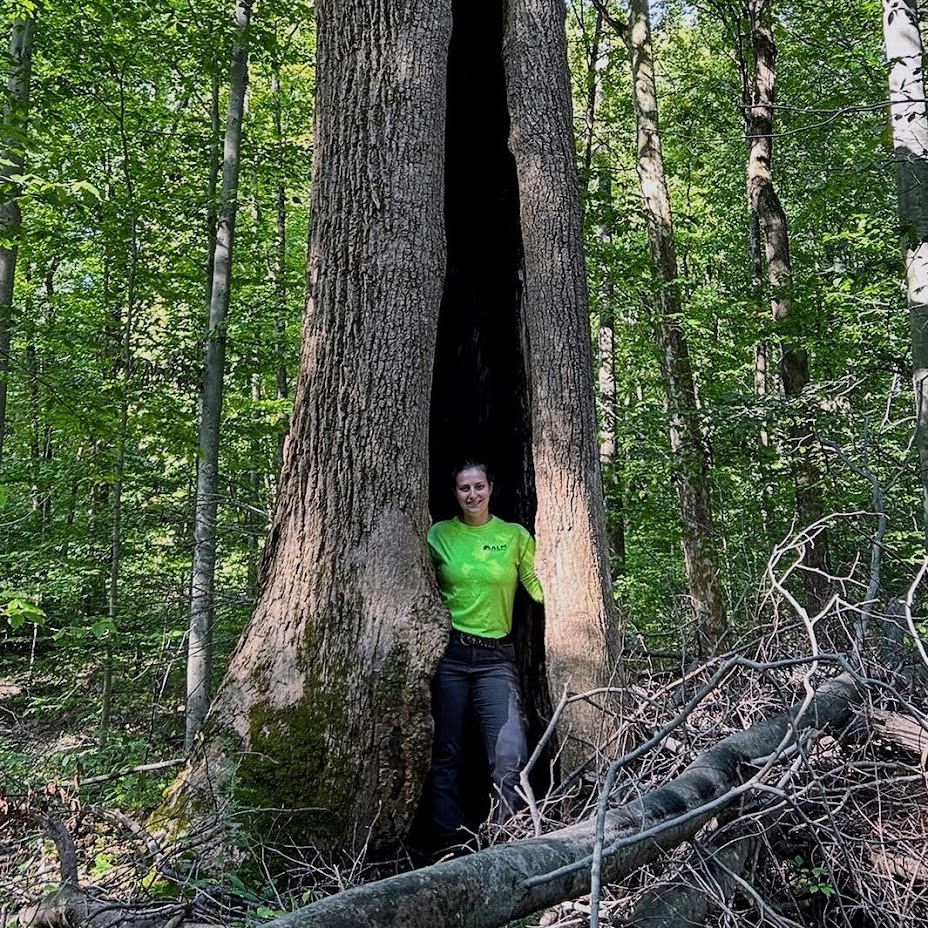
column 446, row 315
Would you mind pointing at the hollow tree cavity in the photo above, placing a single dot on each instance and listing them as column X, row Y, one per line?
column 480, row 399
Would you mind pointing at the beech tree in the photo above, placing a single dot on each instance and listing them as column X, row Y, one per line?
column 687, row 443
column 199, row 644
column 768, row 216
column 446, row 316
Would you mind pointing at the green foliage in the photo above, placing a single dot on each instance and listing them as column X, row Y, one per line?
column 20, row 610
column 811, row 879
column 831, row 174
column 109, row 311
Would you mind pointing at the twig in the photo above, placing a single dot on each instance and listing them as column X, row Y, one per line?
column 910, row 622
column 118, row 774
column 876, row 547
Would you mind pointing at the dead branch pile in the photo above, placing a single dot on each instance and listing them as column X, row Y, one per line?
column 721, row 808
column 831, row 833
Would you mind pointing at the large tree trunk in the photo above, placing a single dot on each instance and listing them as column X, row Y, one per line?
column 12, row 156
column 690, row 459
column 325, row 706
column 510, row 881
column 794, row 360
column 582, row 631
column 910, row 143
column 417, row 289
column 199, row 642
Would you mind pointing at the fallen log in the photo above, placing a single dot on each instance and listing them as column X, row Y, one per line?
column 905, row 731
column 685, row 904
column 503, row 883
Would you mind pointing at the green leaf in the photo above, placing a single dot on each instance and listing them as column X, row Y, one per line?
column 19, row 610
column 102, row 627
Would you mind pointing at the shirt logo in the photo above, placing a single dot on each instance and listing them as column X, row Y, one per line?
column 495, row 547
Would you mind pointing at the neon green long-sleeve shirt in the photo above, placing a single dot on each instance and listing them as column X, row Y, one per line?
column 478, row 568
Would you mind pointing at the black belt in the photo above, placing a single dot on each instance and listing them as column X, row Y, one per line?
column 478, row 641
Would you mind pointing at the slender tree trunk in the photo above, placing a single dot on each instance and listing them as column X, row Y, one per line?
column 122, row 372
column 12, row 156
column 40, row 432
column 909, row 122
column 199, row 653
column 280, row 270
column 794, row 360
column 690, row 459
column 761, row 349
column 255, row 523
column 212, row 183
column 741, row 37
column 606, row 352
column 615, row 521
column 592, row 100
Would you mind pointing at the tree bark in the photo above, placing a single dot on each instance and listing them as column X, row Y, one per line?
column 212, row 183
column 199, row 643
column 687, row 442
column 684, row 904
column 582, row 632
column 510, row 881
column 593, row 51
column 794, row 360
column 910, row 157
column 739, row 27
column 279, row 273
column 12, row 157
column 324, row 711
column 608, row 457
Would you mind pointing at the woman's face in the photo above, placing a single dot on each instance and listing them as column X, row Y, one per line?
column 473, row 491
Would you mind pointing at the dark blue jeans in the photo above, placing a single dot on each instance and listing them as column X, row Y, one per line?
column 482, row 681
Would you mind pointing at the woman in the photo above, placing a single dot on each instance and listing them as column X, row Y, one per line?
column 479, row 560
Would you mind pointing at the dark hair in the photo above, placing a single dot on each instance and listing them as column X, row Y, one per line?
column 469, row 464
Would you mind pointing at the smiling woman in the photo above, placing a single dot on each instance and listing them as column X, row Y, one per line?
column 479, row 560
column 472, row 488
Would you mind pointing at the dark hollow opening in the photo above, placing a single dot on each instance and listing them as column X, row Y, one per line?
column 480, row 401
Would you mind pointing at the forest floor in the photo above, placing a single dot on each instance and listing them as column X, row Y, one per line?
column 59, row 765
column 840, row 836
